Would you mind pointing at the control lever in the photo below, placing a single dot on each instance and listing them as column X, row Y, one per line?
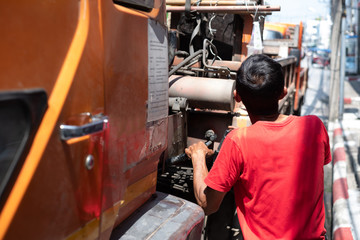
column 216, row 152
column 209, row 134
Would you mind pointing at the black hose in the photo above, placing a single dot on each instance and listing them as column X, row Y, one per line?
column 183, row 157
column 185, row 61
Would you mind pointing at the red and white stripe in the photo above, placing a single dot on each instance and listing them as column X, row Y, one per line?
column 353, row 78
column 352, row 100
column 341, row 214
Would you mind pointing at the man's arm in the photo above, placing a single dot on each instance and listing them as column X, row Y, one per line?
column 208, row 198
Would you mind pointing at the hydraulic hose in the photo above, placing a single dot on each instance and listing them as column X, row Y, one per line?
column 186, row 60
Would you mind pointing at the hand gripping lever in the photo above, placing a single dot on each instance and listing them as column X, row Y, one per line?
column 209, row 135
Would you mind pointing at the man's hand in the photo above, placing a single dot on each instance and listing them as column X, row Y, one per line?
column 198, row 150
column 206, row 197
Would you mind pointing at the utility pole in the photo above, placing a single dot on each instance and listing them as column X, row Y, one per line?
column 342, row 64
column 336, row 14
column 357, row 24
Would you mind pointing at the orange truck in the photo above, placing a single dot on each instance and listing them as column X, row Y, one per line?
column 98, row 100
column 84, row 110
column 283, row 40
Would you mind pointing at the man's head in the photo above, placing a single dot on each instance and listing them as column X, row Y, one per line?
column 260, row 84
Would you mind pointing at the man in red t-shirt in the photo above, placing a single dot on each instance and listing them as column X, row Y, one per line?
column 275, row 166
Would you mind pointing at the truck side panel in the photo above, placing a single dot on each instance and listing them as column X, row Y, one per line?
column 91, row 58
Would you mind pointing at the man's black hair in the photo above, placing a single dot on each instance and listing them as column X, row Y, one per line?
column 259, row 83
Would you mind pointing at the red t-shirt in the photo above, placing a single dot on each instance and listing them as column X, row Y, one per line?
column 276, row 170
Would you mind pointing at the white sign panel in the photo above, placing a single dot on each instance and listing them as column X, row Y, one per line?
column 158, row 101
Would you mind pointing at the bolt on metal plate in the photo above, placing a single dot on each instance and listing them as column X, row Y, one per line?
column 89, row 162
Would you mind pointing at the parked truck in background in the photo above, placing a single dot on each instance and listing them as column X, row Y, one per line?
column 98, row 100
column 283, row 40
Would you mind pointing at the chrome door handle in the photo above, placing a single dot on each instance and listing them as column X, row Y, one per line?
column 98, row 124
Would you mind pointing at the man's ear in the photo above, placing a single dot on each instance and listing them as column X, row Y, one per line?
column 283, row 94
column 237, row 96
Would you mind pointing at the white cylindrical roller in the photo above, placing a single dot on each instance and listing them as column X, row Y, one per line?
column 204, row 93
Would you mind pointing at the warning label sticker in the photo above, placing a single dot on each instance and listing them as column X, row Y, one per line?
column 158, row 72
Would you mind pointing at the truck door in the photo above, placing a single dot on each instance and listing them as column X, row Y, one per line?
column 55, row 191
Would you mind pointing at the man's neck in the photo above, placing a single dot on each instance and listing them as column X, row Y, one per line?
column 277, row 117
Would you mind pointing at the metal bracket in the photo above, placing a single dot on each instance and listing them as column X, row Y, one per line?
column 178, row 103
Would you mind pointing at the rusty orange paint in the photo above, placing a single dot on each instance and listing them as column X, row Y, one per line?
column 100, row 70
column 137, row 188
column 55, row 103
column 248, row 26
column 89, row 231
column 246, row 38
column 130, row 140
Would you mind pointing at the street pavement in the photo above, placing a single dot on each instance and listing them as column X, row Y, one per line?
column 341, row 177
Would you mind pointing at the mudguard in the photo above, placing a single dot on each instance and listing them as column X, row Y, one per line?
column 164, row 216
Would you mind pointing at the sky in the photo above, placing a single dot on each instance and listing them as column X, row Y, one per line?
column 294, row 11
